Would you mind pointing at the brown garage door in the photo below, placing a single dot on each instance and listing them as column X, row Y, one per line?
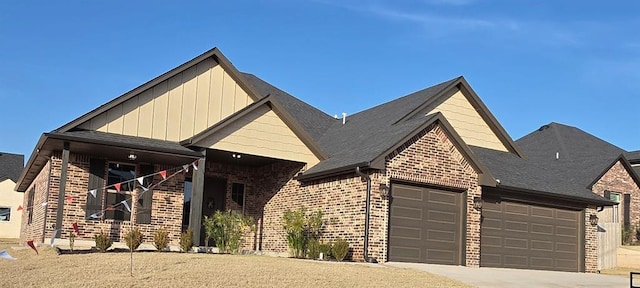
column 425, row 225
column 516, row 235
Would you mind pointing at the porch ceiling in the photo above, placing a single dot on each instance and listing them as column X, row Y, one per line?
column 227, row 157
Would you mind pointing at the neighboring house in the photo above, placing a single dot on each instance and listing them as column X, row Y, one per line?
column 634, row 159
column 10, row 217
column 402, row 181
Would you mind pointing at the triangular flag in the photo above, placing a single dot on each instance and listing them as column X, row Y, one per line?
column 97, row 215
column 20, row 207
column 145, row 189
column 117, row 185
column 30, row 243
column 126, row 205
column 44, row 204
column 195, row 165
column 185, row 167
column 75, row 228
column 93, row 192
column 53, row 236
column 69, row 199
column 5, row 255
column 163, row 173
column 141, row 180
column 110, row 208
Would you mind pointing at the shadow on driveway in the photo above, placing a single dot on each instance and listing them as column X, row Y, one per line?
column 502, row 277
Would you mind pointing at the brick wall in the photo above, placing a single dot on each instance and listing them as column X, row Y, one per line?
column 35, row 229
column 590, row 242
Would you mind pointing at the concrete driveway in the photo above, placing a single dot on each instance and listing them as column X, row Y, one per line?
column 501, row 277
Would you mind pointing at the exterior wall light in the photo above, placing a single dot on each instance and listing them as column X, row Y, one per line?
column 384, row 190
column 132, row 156
column 593, row 219
column 477, row 203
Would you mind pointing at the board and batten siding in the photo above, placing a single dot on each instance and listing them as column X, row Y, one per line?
column 177, row 108
column 261, row 133
column 468, row 123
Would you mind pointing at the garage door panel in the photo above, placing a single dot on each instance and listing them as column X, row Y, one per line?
column 425, row 220
column 407, row 213
column 516, row 235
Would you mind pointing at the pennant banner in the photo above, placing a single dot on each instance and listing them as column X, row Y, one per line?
column 117, row 185
column 141, row 180
column 195, row 165
column 69, row 199
column 110, row 208
column 5, row 255
column 53, row 236
column 44, row 204
column 93, row 192
column 30, row 243
column 126, row 205
column 163, row 173
column 20, row 207
column 96, row 215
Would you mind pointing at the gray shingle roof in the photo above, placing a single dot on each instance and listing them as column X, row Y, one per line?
column 367, row 134
column 124, row 141
column 633, row 156
column 581, row 159
column 11, row 166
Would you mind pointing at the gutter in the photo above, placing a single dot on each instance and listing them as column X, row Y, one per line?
column 366, row 217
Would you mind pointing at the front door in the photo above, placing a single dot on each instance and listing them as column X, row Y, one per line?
column 213, row 199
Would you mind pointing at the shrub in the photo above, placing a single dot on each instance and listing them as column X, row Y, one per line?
column 340, row 249
column 325, row 249
column 209, row 226
column 300, row 228
column 313, row 249
column 186, row 240
column 133, row 238
column 103, row 242
column 228, row 230
column 161, row 239
column 72, row 239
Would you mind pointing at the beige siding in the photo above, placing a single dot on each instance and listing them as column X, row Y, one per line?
column 261, row 133
column 178, row 108
column 468, row 123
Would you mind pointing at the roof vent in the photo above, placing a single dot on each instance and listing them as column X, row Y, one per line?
column 557, row 155
column 544, row 127
column 344, row 118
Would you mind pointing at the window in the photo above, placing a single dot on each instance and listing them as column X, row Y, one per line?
column 615, row 212
column 5, row 214
column 237, row 193
column 32, row 192
column 119, row 173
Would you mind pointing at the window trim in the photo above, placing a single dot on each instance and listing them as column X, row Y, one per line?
column 244, row 195
column 10, row 211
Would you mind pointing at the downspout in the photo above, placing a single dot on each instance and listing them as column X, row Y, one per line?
column 366, row 217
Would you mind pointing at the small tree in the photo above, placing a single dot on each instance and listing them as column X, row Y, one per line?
column 300, row 228
column 228, row 230
column 72, row 239
column 340, row 249
column 209, row 226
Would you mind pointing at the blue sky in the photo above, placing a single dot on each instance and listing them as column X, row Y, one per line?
column 531, row 62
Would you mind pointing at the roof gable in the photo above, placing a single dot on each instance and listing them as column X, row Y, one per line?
column 175, row 105
column 11, row 166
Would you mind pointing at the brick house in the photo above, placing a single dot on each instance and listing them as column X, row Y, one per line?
column 402, row 181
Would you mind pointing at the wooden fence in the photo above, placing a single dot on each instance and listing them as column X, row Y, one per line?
column 609, row 239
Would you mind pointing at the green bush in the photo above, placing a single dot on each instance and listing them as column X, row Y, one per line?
column 161, row 239
column 340, row 249
column 228, row 230
column 103, row 242
column 300, row 228
column 313, row 249
column 325, row 249
column 72, row 239
column 186, row 240
column 133, row 238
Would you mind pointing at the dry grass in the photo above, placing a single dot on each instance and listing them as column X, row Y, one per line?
column 152, row 269
column 619, row 271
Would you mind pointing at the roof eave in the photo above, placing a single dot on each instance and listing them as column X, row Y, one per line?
column 20, row 186
column 332, row 172
column 603, row 202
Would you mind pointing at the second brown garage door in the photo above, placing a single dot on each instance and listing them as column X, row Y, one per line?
column 425, row 225
column 516, row 235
